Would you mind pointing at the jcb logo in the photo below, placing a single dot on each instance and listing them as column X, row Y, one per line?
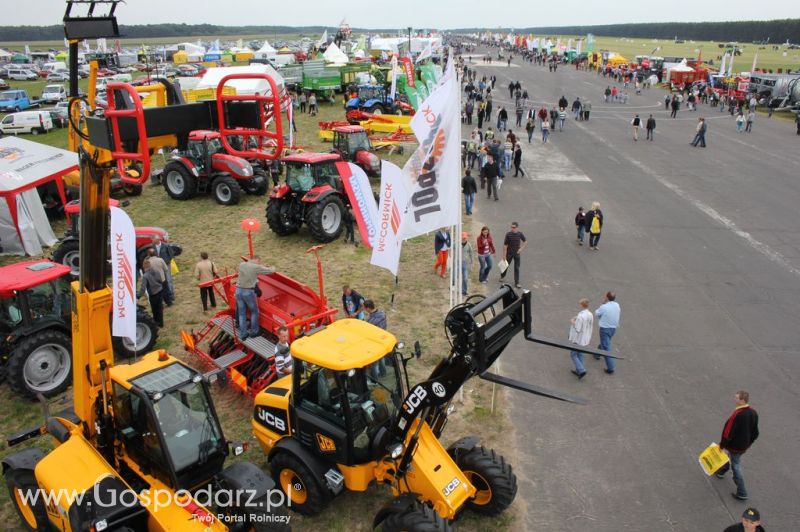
column 271, row 420
column 450, row 487
column 414, row 400
column 326, row 445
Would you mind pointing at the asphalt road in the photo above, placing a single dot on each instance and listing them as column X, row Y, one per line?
column 703, row 250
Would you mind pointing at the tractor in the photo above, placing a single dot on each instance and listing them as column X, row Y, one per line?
column 313, row 192
column 206, row 166
column 36, row 345
column 347, row 417
column 67, row 252
column 372, row 99
column 353, row 145
column 143, row 435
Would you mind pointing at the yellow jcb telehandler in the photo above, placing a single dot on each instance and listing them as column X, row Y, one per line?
column 347, row 417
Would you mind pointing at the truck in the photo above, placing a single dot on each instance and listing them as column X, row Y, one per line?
column 16, row 100
column 771, row 87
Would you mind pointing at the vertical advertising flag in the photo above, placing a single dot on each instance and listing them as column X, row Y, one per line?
column 394, row 194
column 123, row 264
column 408, row 67
column 394, row 75
column 356, row 184
column 590, row 42
column 434, row 168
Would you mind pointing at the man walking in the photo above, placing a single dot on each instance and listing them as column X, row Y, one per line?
column 751, row 522
column 513, row 245
column 651, row 127
column 441, row 247
column 205, row 271
column 153, row 284
column 636, row 123
column 580, row 334
column 246, row 299
column 738, row 434
column 165, row 252
column 468, row 187
column 700, row 133
column 608, row 316
column 490, row 173
column 518, row 160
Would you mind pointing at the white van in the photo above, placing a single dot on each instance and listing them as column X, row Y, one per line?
column 22, row 74
column 33, row 122
column 54, row 93
column 54, row 66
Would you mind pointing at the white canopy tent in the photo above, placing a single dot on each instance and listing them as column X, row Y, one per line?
column 266, row 51
column 4, row 55
column 335, row 55
column 24, row 166
column 189, row 48
column 213, row 76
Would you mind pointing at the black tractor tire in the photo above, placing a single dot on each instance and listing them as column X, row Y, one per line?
column 50, row 352
column 307, row 495
column 36, row 131
column 418, row 518
column 325, row 218
column 226, row 190
column 279, row 217
column 68, row 254
column 179, row 182
column 132, row 190
column 146, row 336
column 492, row 477
column 19, row 482
column 261, row 188
column 376, row 109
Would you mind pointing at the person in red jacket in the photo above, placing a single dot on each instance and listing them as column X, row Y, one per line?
column 738, row 434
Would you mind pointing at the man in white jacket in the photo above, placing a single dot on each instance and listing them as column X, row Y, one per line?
column 580, row 334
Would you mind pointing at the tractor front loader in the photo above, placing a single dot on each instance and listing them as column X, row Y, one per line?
column 143, row 448
column 348, row 416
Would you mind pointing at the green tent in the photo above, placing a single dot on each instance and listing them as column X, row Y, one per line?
column 20, row 58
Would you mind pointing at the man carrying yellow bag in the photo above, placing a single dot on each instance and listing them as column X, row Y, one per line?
column 738, row 434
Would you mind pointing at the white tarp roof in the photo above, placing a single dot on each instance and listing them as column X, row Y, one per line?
column 24, row 165
column 190, row 48
column 335, row 55
column 213, row 76
column 4, row 53
column 386, row 44
column 266, row 51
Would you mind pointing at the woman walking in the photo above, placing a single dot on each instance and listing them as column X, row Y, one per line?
column 545, row 130
column 485, row 253
column 594, row 224
column 205, row 271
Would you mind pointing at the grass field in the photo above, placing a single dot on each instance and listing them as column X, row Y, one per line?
column 421, row 301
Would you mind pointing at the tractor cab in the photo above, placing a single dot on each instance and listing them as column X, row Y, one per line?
column 347, row 389
column 305, row 171
column 166, row 421
column 353, row 144
column 202, row 147
column 347, row 386
column 32, row 292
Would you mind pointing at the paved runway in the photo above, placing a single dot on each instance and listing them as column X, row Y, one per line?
column 703, row 249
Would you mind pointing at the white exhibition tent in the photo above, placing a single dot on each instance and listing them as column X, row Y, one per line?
column 189, row 48
column 213, row 76
column 4, row 55
column 265, row 52
column 335, row 55
column 24, row 166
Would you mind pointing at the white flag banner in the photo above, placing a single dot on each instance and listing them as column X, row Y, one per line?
column 394, row 75
column 323, row 40
column 27, row 50
column 123, row 261
column 425, row 53
column 578, row 46
column 722, row 65
column 359, row 191
column 730, row 66
column 394, row 194
column 290, row 116
column 755, row 61
column 434, row 168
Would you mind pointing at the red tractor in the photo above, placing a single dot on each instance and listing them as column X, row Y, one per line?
column 205, row 166
column 353, row 144
column 67, row 251
column 36, row 328
column 313, row 192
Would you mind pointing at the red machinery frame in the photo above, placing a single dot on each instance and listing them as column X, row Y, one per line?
column 284, row 301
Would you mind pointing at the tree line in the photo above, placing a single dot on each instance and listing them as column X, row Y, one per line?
column 777, row 31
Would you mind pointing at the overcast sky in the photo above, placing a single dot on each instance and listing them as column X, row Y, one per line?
column 442, row 14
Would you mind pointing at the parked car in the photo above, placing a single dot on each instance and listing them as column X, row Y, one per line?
column 104, row 72
column 4, row 85
column 54, row 93
column 60, row 116
column 33, row 122
column 22, row 74
column 61, row 75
